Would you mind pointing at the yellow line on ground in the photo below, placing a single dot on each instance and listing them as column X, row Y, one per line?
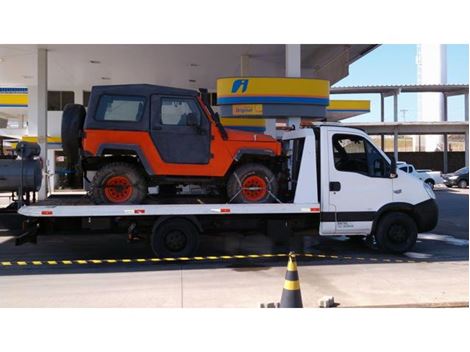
column 198, row 258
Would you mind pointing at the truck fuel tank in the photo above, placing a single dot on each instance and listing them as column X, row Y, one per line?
column 28, row 161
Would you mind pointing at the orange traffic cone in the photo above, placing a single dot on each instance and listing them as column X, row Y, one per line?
column 291, row 296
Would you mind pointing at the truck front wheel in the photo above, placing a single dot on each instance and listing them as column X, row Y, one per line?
column 252, row 183
column 396, row 233
column 118, row 183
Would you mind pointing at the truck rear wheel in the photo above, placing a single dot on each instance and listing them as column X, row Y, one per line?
column 252, row 183
column 118, row 183
column 174, row 238
column 396, row 233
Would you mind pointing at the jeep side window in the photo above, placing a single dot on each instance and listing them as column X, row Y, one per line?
column 355, row 154
column 120, row 108
column 179, row 112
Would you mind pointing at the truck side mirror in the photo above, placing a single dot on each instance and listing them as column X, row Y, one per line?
column 393, row 167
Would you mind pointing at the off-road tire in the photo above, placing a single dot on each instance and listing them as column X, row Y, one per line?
column 252, row 183
column 104, row 191
column 73, row 118
column 174, row 238
column 396, row 233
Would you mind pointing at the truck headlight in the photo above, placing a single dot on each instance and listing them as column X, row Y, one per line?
column 429, row 190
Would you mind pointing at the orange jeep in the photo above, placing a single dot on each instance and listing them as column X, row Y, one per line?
column 137, row 136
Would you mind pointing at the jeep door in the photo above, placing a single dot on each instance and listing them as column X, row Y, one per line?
column 180, row 130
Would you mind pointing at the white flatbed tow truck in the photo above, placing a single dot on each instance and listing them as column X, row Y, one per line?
column 340, row 183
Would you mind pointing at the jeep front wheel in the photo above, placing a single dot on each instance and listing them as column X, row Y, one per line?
column 118, row 183
column 252, row 183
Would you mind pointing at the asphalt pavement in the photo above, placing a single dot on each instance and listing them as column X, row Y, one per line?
column 239, row 270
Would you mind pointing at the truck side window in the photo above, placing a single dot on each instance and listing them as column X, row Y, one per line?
column 355, row 154
column 176, row 111
column 120, row 108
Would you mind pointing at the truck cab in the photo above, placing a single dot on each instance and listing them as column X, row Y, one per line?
column 361, row 192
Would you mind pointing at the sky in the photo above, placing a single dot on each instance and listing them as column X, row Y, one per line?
column 396, row 64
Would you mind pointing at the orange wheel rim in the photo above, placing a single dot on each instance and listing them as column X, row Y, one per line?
column 118, row 189
column 254, row 188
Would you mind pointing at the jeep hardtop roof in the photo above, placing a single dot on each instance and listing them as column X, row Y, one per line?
column 140, row 89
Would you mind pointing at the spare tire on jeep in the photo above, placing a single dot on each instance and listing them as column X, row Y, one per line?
column 73, row 118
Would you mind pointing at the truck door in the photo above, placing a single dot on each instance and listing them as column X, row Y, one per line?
column 358, row 184
column 180, row 130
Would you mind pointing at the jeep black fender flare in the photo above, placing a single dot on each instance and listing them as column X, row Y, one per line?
column 120, row 148
column 252, row 151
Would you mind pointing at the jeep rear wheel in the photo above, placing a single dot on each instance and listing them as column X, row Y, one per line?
column 252, row 183
column 118, row 183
